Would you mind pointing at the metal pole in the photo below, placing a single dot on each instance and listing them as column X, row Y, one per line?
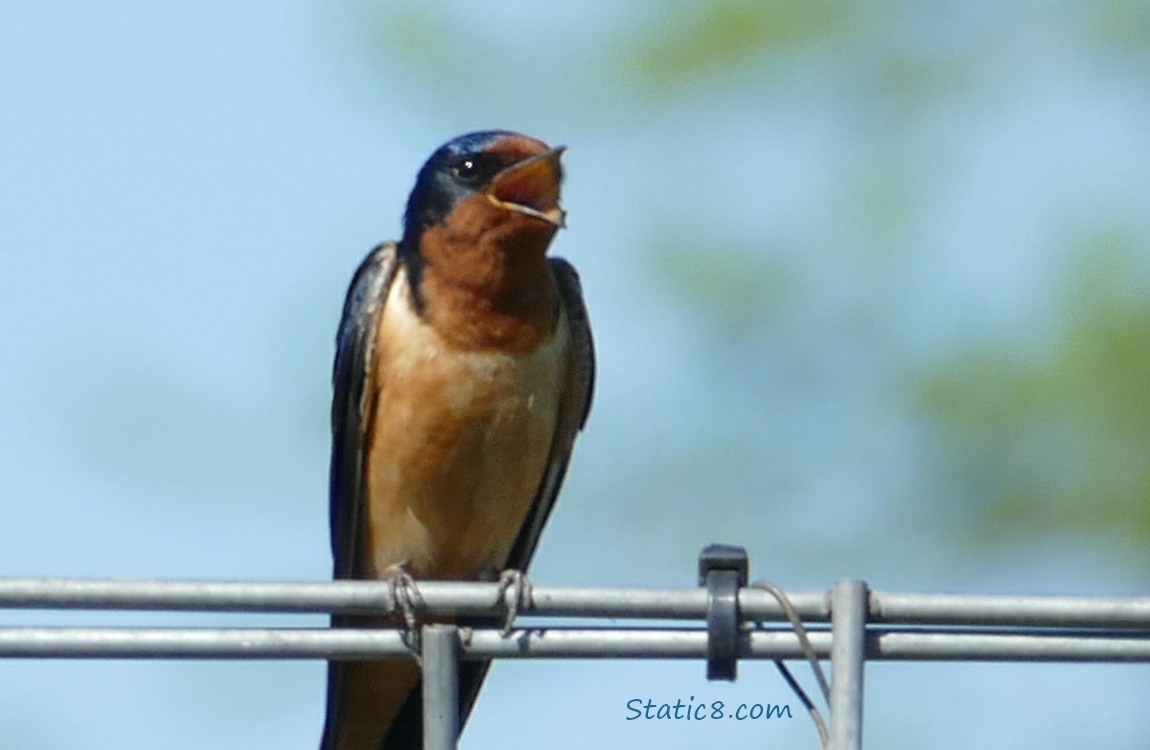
column 848, row 655
column 440, row 687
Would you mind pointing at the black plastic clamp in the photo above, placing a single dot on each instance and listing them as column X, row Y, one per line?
column 723, row 570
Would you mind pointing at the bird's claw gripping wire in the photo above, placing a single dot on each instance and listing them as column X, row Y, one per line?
column 403, row 597
column 521, row 598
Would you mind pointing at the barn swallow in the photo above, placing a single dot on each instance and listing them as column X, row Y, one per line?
column 464, row 369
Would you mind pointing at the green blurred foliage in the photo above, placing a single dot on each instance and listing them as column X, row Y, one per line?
column 688, row 43
column 1059, row 440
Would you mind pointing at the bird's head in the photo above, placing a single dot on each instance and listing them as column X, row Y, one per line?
column 484, row 187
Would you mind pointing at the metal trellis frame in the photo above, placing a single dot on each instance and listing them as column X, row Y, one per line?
column 723, row 622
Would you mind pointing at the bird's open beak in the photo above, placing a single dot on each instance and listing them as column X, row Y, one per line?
column 531, row 187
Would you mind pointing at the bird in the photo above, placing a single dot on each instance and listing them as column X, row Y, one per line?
column 464, row 370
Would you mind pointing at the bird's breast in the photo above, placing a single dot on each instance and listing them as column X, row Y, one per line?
column 457, row 445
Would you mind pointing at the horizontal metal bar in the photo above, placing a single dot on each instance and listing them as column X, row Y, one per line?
column 371, row 597
column 1011, row 611
column 958, row 646
column 470, row 598
column 568, row 643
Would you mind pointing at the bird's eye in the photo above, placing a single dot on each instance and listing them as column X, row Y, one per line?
column 467, row 169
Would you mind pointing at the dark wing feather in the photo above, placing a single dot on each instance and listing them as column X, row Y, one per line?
column 575, row 406
column 354, row 346
column 354, row 350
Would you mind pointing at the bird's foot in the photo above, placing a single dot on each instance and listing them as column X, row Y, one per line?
column 403, row 597
column 521, row 598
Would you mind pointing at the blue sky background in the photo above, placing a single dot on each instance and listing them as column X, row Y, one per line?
column 775, row 252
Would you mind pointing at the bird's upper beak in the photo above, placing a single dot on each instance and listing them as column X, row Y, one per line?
column 531, row 187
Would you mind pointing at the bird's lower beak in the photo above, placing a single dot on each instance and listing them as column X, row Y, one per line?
column 531, row 187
